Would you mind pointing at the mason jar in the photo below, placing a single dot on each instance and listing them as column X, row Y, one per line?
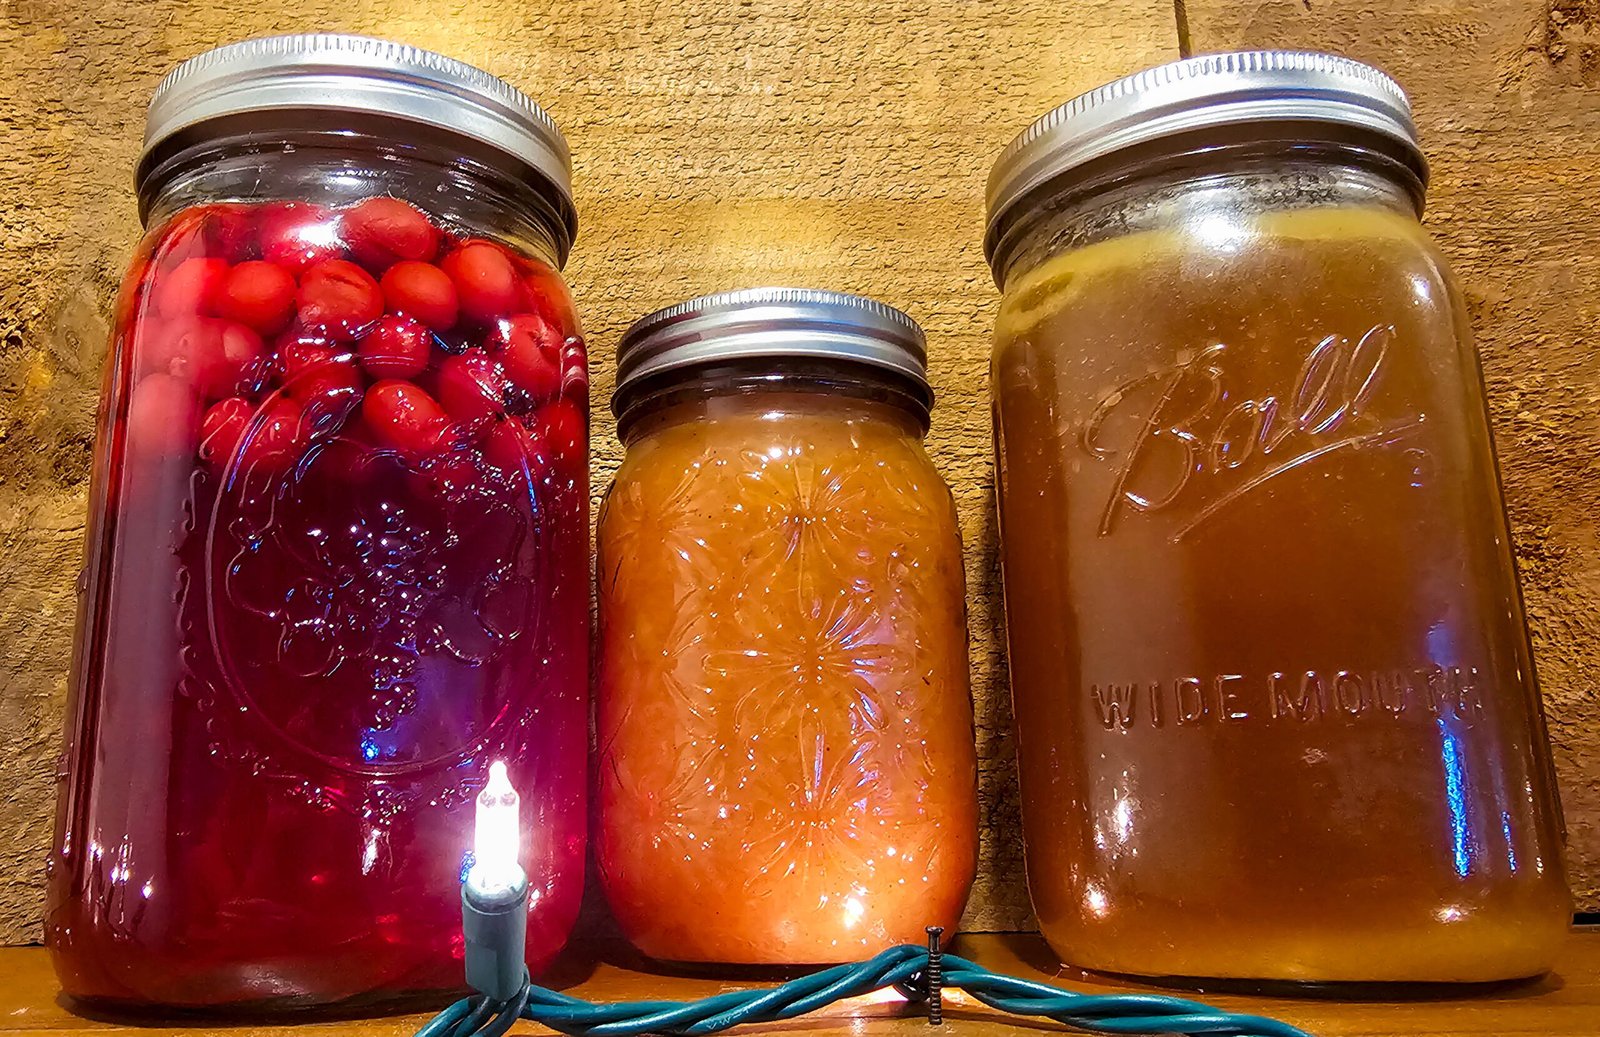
column 787, row 769
column 1276, row 713
column 337, row 540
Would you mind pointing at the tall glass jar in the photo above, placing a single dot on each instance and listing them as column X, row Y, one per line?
column 1276, row 714
column 337, row 548
column 787, row 770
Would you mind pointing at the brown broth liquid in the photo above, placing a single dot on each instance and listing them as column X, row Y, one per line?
column 1275, row 709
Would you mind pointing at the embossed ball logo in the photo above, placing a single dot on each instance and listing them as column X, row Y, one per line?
column 1184, row 435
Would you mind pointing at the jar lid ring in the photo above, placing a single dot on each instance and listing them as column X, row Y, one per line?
column 1182, row 97
column 774, row 322
column 334, row 72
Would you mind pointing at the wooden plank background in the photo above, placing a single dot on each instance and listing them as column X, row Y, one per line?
column 840, row 145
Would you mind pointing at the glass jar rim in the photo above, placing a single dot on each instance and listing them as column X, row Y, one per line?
column 1178, row 101
column 252, row 82
column 777, row 324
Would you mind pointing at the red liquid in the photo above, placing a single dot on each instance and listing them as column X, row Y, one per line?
column 318, row 603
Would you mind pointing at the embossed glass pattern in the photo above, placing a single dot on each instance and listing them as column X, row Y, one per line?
column 337, row 563
column 787, row 769
column 1276, row 713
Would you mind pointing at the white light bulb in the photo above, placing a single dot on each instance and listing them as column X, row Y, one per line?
column 497, row 837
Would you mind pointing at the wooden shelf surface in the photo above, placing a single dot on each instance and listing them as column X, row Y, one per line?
column 1565, row 1003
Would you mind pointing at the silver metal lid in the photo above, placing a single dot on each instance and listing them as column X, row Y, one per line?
column 333, row 72
column 773, row 322
column 1199, row 93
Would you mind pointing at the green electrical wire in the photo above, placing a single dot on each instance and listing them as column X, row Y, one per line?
column 918, row 972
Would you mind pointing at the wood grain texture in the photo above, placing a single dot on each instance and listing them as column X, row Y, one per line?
column 840, row 145
column 1565, row 1003
column 1507, row 97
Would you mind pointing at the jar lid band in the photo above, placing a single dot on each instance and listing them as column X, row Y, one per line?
column 342, row 73
column 776, row 323
column 1194, row 94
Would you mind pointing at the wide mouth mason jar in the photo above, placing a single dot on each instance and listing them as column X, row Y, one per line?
column 337, row 552
column 787, row 768
column 1276, row 712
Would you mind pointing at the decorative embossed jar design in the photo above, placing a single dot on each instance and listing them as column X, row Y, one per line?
column 337, row 550
column 1276, row 715
column 787, row 770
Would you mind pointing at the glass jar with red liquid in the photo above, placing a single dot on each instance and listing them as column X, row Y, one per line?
column 337, row 554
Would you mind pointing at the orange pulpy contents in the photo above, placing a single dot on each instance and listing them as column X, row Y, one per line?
column 787, row 765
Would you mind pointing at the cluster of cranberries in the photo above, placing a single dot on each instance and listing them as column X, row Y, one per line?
column 257, row 330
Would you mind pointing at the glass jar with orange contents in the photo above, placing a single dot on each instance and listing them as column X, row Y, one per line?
column 787, row 770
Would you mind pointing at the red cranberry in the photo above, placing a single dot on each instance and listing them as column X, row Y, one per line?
column 485, row 280
column 385, row 231
column 224, row 357
column 180, row 238
column 298, row 235
column 325, row 383
column 471, row 386
column 543, row 292
column 259, row 294
column 530, row 328
column 533, row 372
column 395, row 347
column 423, row 291
column 216, row 357
column 162, row 347
column 530, row 350
column 339, row 298
column 574, row 370
column 562, row 428
column 163, row 418
column 512, row 453
column 192, row 287
column 222, row 428
column 299, row 354
column 312, row 368
column 275, row 438
column 327, row 411
column 229, row 232
column 406, row 418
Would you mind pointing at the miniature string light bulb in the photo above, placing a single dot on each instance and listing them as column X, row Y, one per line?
column 497, row 835
column 494, row 897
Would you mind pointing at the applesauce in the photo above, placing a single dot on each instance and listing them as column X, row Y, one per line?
column 1276, row 712
column 787, row 769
